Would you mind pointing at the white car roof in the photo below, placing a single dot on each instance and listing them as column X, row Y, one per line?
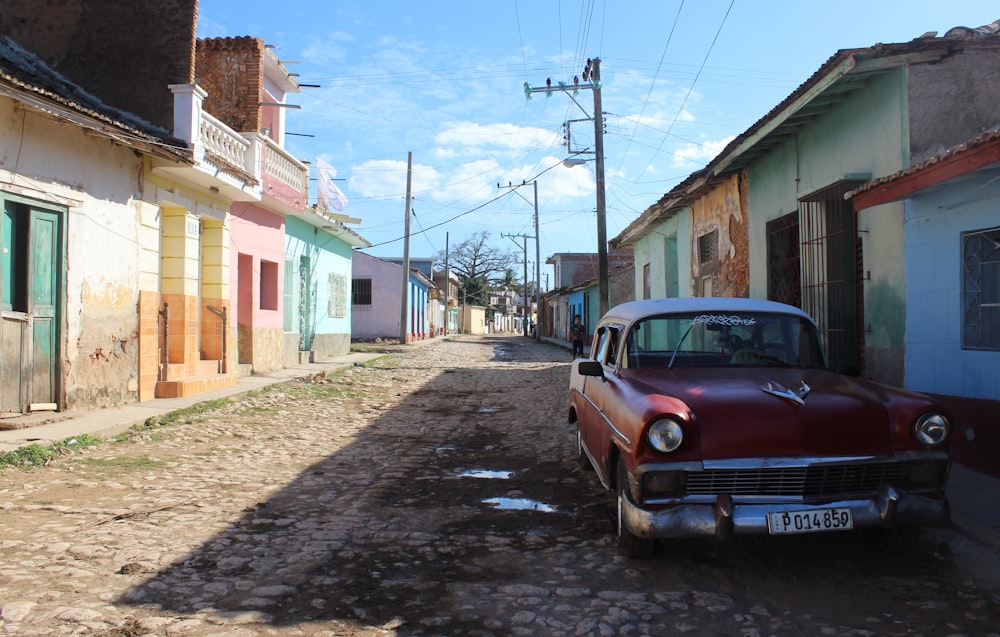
column 634, row 310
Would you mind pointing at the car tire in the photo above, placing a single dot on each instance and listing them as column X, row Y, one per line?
column 629, row 544
column 896, row 540
column 581, row 455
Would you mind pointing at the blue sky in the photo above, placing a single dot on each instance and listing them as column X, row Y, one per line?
column 444, row 80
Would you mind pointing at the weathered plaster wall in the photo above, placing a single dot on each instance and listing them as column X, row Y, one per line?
column 953, row 100
column 721, row 209
column 96, row 181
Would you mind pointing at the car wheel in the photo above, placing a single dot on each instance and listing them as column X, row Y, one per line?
column 581, row 455
column 629, row 544
column 896, row 540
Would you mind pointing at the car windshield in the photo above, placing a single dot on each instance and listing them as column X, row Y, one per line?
column 722, row 339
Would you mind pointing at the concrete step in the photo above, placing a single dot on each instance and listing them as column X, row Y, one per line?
column 192, row 386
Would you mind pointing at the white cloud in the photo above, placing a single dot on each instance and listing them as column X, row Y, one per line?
column 326, row 50
column 497, row 135
column 694, row 154
column 386, row 179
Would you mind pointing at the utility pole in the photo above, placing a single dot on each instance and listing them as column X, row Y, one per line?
column 447, row 285
column 591, row 81
column 538, row 269
column 538, row 266
column 524, row 239
column 404, row 303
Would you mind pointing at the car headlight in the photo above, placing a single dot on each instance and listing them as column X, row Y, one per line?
column 665, row 435
column 931, row 429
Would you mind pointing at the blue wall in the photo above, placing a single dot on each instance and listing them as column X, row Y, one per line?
column 935, row 221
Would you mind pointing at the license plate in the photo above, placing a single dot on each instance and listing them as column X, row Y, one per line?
column 786, row 522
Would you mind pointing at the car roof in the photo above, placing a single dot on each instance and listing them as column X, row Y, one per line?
column 634, row 310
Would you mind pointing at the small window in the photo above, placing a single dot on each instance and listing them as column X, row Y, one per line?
column 708, row 247
column 268, row 285
column 981, row 289
column 361, row 292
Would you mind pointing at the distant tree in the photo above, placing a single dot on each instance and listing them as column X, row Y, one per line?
column 479, row 266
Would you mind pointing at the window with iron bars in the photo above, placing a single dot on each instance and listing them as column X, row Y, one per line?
column 981, row 289
column 830, row 261
column 361, row 291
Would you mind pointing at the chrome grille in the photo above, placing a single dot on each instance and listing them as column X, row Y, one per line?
column 814, row 481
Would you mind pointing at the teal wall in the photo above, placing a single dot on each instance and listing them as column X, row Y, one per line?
column 864, row 136
column 667, row 249
column 330, row 262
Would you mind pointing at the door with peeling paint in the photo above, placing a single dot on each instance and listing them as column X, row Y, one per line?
column 30, row 293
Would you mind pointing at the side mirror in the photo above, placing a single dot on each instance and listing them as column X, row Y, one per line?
column 590, row 368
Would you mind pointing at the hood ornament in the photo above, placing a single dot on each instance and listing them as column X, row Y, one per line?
column 797, row 396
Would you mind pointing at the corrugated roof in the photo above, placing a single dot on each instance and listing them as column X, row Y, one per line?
column 964, row 147
column 845, row 72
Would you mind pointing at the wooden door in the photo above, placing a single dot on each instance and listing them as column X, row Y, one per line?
column 29, row 307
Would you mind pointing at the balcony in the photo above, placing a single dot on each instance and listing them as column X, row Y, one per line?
column 285, row 178
column 223, row 160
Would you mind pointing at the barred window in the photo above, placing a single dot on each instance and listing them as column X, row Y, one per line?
column 981, row 289
column 708, row 247
column 361, row 292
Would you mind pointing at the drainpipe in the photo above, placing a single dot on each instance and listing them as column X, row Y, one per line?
column 164, row 315
column 222, row 315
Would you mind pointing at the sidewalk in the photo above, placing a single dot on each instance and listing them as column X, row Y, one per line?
column 974, row 496
column 107, row 423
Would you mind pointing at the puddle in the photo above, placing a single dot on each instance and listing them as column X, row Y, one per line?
column 481, row 473
column 487, row 410
column 520, row 504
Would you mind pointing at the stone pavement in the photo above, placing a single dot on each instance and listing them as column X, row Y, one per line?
column 974, row 496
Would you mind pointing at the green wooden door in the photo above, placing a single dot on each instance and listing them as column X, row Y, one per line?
column 43, row 302
column 30, row 275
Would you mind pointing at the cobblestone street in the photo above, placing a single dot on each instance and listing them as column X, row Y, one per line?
column 434, row 491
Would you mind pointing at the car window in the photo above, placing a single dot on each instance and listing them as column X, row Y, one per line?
column 601, row 348
column 608, row 338
column 723, row 339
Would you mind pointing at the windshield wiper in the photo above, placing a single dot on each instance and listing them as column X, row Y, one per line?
column 670, row 365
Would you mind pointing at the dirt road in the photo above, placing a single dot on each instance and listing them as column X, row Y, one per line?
column 434, row 492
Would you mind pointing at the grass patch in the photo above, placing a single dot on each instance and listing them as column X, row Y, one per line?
column 193, row 412
column 124, row 463
column 36, row 455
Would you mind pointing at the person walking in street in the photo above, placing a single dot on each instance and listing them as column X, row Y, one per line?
column 576, row 332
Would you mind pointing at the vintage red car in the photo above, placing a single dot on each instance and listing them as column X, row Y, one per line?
column 719, row 416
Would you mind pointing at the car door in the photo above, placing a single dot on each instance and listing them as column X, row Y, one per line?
column 596, row 433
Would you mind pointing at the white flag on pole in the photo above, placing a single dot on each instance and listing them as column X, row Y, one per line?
column 328, row 195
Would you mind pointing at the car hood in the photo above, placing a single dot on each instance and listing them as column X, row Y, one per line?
column 766, row 412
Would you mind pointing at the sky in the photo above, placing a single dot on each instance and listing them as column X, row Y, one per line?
column 443, row 81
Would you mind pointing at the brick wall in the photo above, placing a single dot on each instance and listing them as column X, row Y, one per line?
column 125, row 53
column 231, row 70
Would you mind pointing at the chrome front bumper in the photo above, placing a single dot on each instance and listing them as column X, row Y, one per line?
column 725, row 518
